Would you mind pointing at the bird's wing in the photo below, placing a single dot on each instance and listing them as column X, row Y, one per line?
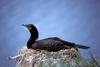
column 48, row 44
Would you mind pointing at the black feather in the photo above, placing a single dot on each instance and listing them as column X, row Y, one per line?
column 49, row 44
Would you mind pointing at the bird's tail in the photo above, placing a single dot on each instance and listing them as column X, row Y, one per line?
column 82, row 46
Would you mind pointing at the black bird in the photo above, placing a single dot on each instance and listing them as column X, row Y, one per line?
column 49, row 44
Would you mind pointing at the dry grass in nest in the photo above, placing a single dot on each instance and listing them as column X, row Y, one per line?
column 33, row 58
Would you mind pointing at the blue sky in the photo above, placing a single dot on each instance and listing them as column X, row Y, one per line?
column 72, row 20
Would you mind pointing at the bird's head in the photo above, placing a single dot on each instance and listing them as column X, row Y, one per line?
column 28, row 26
column 33, row 30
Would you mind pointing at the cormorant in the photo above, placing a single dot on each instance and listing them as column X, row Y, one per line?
column 49, row 44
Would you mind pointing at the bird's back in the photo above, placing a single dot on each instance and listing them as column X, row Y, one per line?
column 50, row 44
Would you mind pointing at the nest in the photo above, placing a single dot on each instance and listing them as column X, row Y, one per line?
column 33, row 58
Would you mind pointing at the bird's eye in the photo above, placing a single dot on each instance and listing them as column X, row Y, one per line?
column 28, row 26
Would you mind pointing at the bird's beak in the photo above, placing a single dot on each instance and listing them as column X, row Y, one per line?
column 24, row 25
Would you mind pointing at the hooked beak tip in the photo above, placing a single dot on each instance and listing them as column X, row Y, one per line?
column 23, row 25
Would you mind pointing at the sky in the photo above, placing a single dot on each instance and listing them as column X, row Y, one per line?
column 75, row 21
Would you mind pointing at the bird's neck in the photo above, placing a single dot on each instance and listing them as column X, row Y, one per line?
column 30, row 42
column 33, row 38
